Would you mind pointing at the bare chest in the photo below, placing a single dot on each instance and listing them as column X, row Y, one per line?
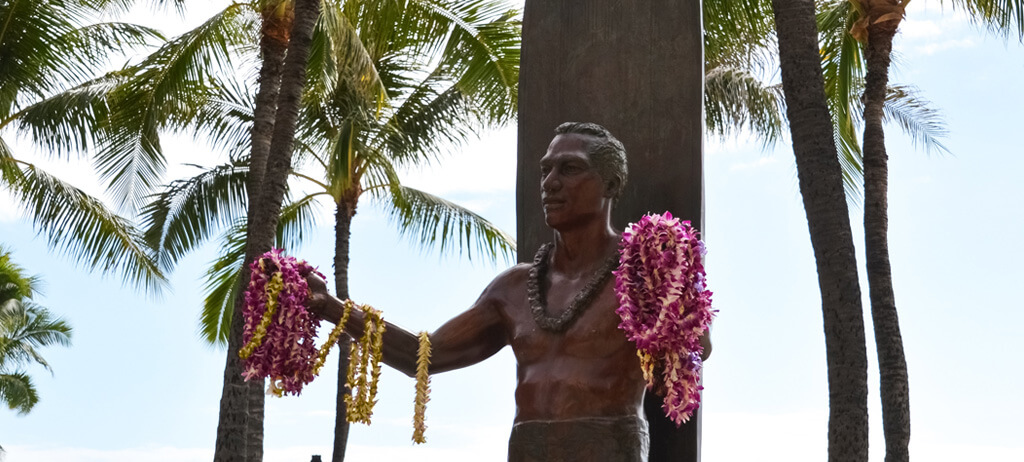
column 591, row 335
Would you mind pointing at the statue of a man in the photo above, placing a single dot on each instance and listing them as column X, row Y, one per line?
column 580, row 389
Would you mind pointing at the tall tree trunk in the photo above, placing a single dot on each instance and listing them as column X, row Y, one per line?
column 274, row 34
column 240, row 428
column 342, row 234
column 892, row 364
column 829, row 223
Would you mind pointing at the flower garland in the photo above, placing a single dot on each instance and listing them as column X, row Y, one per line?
column 665, row 307
column 279, row 331
column 336, row 333
column 422, row 389
column 364, row 367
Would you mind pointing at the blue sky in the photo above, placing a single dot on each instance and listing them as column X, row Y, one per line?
column 138, row 384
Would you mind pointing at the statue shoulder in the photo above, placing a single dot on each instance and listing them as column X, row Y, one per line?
column 509, row 282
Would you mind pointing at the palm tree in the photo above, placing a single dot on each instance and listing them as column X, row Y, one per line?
column 391, row 84
column 24, row 328
column 266, row 194
column 872, row 24
column 47, row 50
column 821, row 186
column 739, row 50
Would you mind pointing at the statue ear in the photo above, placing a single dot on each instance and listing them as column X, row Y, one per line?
column 611, row 187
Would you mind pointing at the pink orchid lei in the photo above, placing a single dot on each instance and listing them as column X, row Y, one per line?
column 279, row 331
column 665, row 307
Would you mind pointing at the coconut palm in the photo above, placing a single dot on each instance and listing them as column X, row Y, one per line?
column 49, row 51
column 739, row 52
column 25, row 327
column 867, row 33
column 821, row 186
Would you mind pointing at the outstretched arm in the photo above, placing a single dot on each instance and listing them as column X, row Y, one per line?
column 466, row 339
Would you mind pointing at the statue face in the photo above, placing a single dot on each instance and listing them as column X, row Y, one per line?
column 572, row 191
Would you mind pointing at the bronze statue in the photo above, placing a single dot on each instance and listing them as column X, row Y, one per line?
column 580, row 390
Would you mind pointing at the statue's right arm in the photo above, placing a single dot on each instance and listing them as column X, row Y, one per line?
column 471, row 337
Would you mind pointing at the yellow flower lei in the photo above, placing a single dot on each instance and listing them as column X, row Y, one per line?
column 364, row 367
column 422, row 389
column 273, row 288
column 336, row 333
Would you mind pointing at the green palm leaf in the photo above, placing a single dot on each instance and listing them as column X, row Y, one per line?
column 24, row 328
column 164, row 91
column 187, row 212
column 80, row 226
column 735, row 100
column 17, row 391
column 431, row 221
column 65, row 123
column 221, row 287
column 1001, row 17
column 923, row 123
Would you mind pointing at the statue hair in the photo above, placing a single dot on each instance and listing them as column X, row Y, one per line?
column 605, row 151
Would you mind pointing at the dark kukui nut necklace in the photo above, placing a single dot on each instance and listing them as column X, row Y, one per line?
column 579, row 303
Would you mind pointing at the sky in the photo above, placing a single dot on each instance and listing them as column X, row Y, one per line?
column 139, row 384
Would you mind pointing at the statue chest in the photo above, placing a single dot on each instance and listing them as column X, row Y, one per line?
column 593, row 334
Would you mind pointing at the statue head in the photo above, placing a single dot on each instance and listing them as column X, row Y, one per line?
column 582, row 174
column 605, row 151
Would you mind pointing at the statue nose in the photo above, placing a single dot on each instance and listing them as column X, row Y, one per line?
column 550, row 182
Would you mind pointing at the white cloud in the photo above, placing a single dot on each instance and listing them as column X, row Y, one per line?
column 935, row 47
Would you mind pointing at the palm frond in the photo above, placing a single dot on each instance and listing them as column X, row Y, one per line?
column 165, row 90
column 226, row 119
column 17, row 392
column 222, row 286
column 842, row 62
column 738, row 34
column 24, row 328
column 14, row 282
column 341, row 63
column 430, row 221
column 913, row 114
column 93, row 44
column 1004, row 18
column 482, row 55
column 735, row 100
column 425, row 124
column 185, row 214
column 33, row 58
column 67, row 122
column 80, row 226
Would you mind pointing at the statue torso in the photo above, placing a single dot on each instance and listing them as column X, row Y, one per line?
column 590, row 370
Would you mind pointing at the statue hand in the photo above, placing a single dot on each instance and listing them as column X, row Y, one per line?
column 319, row 299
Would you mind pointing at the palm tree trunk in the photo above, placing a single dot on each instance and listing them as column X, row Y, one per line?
column 240, row 429
column 273, row 44
column 342, row 234
column 892, row 363
column 829, row 223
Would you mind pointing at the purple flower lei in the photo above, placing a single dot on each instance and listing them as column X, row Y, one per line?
column 665, row 307
column 284, row 351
